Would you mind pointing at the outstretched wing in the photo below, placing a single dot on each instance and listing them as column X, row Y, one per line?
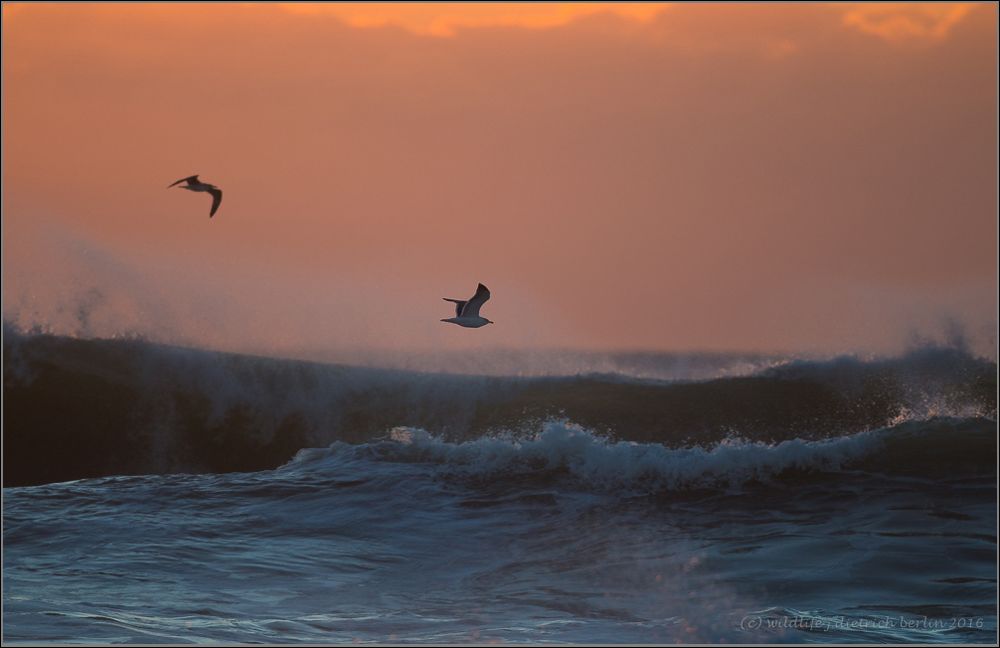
column 216, row 200
column 472, row 306
column 188, row 180
column 459, row 305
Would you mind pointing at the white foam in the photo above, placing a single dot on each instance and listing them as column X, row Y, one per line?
column 607, row 465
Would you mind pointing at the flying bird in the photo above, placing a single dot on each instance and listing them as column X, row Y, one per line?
column 467, row 310
column 194, row 184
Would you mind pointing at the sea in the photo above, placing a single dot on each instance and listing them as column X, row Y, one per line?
column 162, row 494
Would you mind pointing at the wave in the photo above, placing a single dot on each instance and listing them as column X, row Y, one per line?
column 77, row 408
column 943, row 447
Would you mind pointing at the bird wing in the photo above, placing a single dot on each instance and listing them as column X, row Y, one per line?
column 188, row 180
column 472, row 306
column 459, row 305
column 216, row 200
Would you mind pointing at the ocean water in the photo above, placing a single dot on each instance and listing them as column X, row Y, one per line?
column 162, row 495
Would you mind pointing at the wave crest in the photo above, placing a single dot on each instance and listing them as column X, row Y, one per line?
column 565, row 450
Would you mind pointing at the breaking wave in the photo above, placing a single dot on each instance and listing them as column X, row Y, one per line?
column 77, row 408
column 569, row 452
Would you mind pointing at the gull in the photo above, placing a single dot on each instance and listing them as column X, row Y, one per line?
column 194, row 184
column 467, row 310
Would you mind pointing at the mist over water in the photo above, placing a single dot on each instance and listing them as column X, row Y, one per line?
column 102, row 289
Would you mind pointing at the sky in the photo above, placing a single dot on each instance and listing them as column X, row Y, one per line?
column 813, row 178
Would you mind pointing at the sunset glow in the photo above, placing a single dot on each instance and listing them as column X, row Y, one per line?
column 775, row 164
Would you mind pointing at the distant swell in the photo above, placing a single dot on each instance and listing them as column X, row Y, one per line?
column 78, row 408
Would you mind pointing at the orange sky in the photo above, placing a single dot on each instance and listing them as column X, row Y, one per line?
column 688, row 176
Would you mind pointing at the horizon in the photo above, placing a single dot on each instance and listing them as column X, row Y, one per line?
column 528, row 361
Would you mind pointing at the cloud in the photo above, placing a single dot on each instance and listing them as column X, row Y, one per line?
column 444, row 20
column 896, row 23
column 891, row 22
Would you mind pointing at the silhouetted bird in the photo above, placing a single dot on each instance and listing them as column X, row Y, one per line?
column 467, row 311
column 194, row 184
